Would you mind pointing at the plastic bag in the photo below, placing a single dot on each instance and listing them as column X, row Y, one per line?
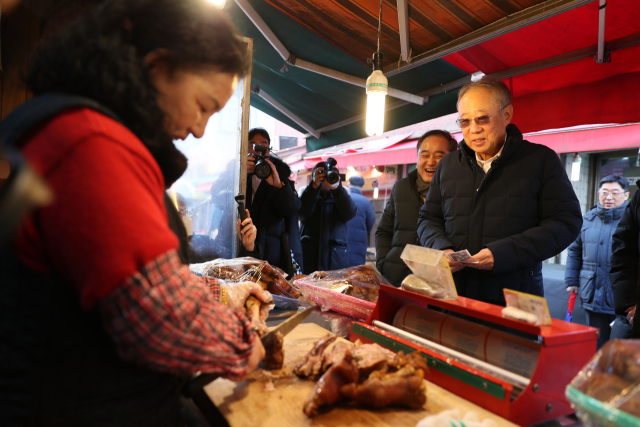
column 432, row 267
column 360, row 282
column 247, row 269
column 606, row 392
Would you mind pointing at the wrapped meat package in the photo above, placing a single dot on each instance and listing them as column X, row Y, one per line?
column 431, row 273
column 606, row 392
column 247, row 269
column 352, row 291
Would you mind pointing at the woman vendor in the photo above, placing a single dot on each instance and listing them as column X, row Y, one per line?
column 99, row 319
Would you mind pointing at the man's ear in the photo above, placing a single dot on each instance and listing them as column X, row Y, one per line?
column 508, row 114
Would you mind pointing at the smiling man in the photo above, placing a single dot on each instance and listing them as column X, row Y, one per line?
column 398, row 226
column 506, row 200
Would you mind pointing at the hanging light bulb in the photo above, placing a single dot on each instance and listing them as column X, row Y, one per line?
column 377, row 87
column 219, row 3
column 375, row 189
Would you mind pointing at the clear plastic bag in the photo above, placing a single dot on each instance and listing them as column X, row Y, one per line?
column 360, row 282
column 606, row 392
column 247, row 269
column 431, row 273
column 352, row 291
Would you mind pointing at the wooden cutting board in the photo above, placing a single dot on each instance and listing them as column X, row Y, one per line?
column 246, row 404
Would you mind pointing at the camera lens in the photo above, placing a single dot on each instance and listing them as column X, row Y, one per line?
column 262, row 169
column 332, row 176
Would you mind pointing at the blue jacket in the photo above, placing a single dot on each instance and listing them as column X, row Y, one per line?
column 324, row 233
column 360, row 228
column 589, row 258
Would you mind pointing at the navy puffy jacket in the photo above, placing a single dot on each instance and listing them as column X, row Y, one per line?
column 524, row 210
column 589, row 258
column 324, row 231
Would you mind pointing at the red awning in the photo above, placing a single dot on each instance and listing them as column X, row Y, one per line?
column 605, row 138
column 570, row 140
column 574, row 93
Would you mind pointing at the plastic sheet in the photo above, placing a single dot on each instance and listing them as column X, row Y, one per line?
column 606, row 392
column 431, row 273
column 327, row 300
column 247, row 269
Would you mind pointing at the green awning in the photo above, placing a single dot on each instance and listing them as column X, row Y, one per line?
column 322, row 101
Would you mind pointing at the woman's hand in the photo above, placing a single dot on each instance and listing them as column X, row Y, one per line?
column 573, row 289
column 237, row 294
column 247, row 232
column 631, row 313
column 257, row 354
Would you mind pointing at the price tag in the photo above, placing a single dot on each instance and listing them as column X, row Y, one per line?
column 530, row 303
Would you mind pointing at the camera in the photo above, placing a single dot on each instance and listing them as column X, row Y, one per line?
column 262, row 169
column 332, row 175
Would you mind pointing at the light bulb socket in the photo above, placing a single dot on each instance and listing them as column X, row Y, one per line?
column 377, row 61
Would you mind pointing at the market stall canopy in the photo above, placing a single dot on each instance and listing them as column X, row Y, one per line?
column 544, row 50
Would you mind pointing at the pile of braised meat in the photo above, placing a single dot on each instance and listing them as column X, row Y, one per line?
column 367, row 374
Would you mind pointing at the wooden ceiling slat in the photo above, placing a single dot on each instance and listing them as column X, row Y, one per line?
column 352, row 25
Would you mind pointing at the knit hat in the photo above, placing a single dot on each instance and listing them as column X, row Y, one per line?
column 356, row 181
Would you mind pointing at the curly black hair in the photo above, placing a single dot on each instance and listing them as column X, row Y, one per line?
column 101, row 56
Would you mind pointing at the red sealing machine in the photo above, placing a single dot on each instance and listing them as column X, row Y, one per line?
column 514, row 369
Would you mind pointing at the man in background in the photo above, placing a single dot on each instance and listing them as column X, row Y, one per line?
column 274, row 204
column 361, row 225
column 399, row 224
column 324, row 214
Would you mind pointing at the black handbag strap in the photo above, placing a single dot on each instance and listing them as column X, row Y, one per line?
column 41, row 108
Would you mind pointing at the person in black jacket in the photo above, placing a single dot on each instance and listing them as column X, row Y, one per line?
column 623, row 274
column 361, row 225
column 399, row 224
column 506, row 200
column 324, row 214
column 274, row 204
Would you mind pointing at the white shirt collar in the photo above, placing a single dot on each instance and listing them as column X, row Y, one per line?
column 486, row 164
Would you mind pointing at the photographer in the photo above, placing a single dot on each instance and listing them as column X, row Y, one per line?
column 326, row 209
column 273, row 204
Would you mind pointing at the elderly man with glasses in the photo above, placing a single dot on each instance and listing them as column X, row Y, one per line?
column 588, row 263
column 507, row 201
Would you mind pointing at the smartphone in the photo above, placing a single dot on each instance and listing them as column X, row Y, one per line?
column 241, row 211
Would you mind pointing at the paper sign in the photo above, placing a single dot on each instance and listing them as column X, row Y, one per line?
column 529, row 303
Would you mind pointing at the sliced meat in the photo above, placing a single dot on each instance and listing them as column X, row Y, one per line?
column 335, row 354
column 371, row 357
column 311, row 365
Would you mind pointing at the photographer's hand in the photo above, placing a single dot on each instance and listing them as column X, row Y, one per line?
column 274, row 178
column 318, row 178
column 251, row 164
column 329, row 186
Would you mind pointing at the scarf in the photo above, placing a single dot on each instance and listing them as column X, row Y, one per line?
column 423, row 188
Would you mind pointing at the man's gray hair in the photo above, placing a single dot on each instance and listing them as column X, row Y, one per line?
column 498, row 89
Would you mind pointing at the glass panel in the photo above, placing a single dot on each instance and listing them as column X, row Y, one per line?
column 204, row 195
